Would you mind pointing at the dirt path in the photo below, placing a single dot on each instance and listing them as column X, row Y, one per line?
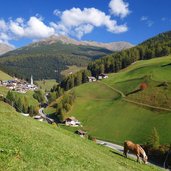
column 134, row 102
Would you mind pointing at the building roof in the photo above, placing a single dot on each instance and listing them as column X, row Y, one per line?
column 37, row 117
column 81, row 132
column 102, row 74
column 72, row 118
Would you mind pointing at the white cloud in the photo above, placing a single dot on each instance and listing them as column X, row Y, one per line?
column 74, row 22
column 57, row 12
column 3, row 26
column 20, row 20
column 60, row 29
column 147, row 21
column 119, row 8
column 83, row 29
column 37, row 29
column 144, row 18
column 16, row 28
column 34, row 28
column 150, row 23
column 78, row 22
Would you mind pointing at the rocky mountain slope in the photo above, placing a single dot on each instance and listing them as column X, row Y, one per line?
column 113, row 46
column 5, row 48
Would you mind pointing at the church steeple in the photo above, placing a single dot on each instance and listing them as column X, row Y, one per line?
column 31, row 80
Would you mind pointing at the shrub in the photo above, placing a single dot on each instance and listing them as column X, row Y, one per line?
column 143, row 86
column 154, row 140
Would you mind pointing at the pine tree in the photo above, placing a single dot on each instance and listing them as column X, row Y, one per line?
column 154, row 140
column 19, row 105
column 31, row 110
column 25, row 105
column 10, row 97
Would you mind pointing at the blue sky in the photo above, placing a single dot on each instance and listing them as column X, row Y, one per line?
column 24, row 21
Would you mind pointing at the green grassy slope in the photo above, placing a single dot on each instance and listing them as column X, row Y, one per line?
column 3, row 90
column 4, row 76
column 26, row 144
column 113, row 119
column 29, row 96
column 72, row 69
column 46, row 84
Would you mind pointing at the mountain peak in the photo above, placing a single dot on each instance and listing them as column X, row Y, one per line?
column 113, row 46
column 55, row 38
column 5, row 48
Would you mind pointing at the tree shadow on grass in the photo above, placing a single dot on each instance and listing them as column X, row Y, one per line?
column 119, row 154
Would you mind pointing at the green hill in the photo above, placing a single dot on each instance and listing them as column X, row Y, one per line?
column 107, row 115
column 46, row 84
column 157, row 46
column 4, row 76
column 26, row 144
column 46, row 60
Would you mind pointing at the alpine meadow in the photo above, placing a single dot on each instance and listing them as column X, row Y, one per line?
column 85, row 85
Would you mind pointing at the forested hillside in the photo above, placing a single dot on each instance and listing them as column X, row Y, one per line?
column 46, row 61
column 155, row 47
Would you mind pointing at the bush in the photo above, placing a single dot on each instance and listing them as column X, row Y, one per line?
column 143, row 86
column 91, row 138
column 154, row 140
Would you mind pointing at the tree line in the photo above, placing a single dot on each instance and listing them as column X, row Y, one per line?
column 63, row 102
column 21, row 104
column 156, row 47
column 76, row 79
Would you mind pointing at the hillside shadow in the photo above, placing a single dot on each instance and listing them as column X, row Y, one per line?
column 166, row 65
column 117, row 153
column 54, row 117
column 133, row 92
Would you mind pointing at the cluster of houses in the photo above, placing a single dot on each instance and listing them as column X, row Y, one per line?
column 72, row 121
column 100, row 77
column 19, row 85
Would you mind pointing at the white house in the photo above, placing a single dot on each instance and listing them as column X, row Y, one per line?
column 72, row 121
column 91, row 79
column 101, row 76
column 38, row 118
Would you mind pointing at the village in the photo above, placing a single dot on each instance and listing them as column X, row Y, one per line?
column 19, row 85
column 70, row 121
column 22, row 86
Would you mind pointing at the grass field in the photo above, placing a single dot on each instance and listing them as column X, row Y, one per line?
column 29, row 96
column 4, row 76
column 72, row 69
column 107, row 116
column 3, row 90
column 46, row 85
column 26, row 144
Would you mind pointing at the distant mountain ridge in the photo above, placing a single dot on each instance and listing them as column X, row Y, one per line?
column 5, row 48
column 113, row 46
column 47, row 58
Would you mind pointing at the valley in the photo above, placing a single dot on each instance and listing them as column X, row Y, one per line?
column 127, row 104
column 107, row 115
column 85, row 85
